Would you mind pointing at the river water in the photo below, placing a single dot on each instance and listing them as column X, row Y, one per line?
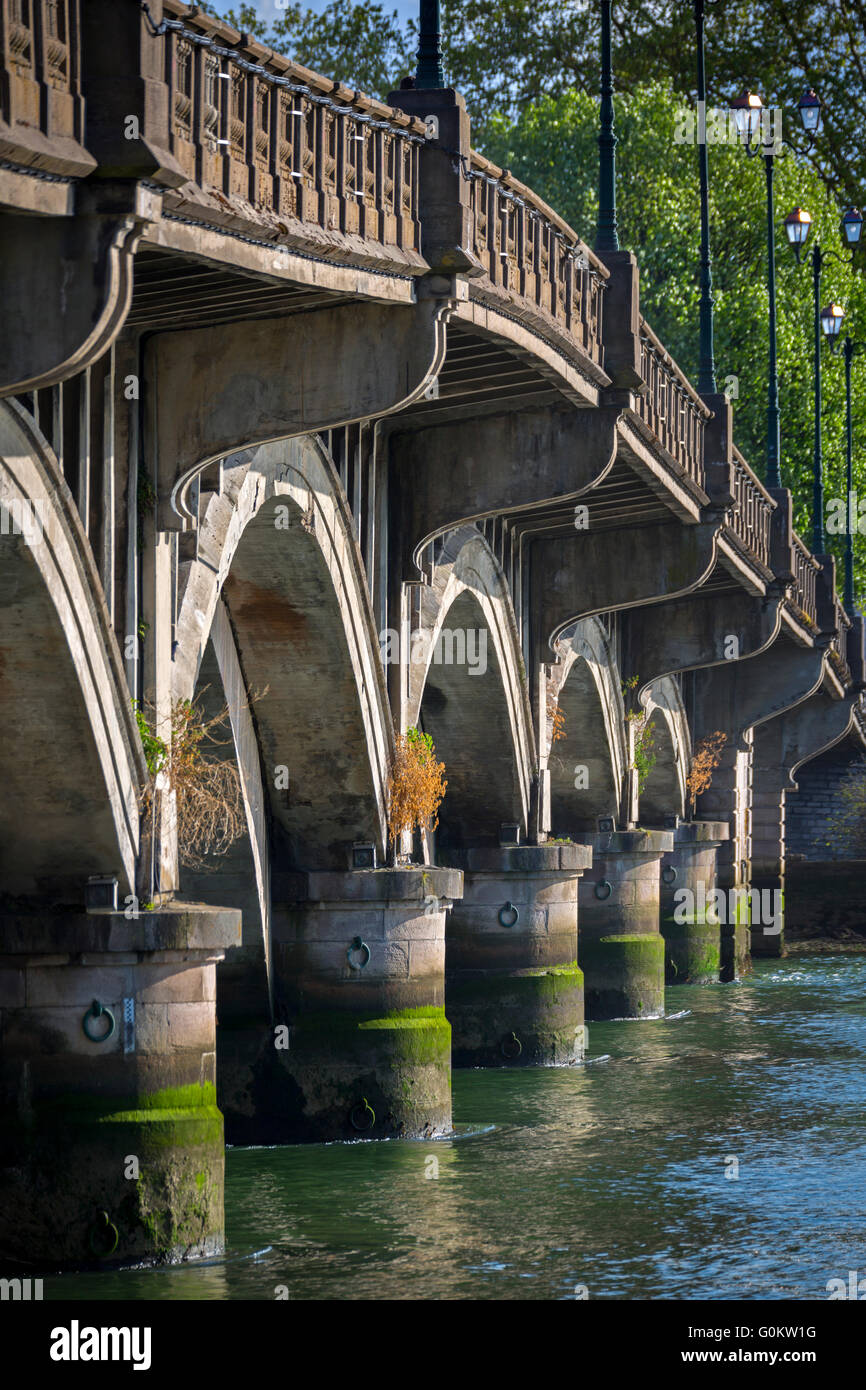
column 717, row 1153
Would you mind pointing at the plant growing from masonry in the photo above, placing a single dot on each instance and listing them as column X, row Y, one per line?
column 643, row 758
column 207, row 787
column 416, row 785
column 707, row 756
column 556, row 716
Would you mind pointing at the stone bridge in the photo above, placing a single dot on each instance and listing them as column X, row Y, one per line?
column 309, row 410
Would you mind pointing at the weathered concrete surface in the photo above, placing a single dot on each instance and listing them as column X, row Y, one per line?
column 70, row 793
column 477, row 720
column 76, row 1111
column 734, row 699
column 369, row 1047
column 513, row 989
column 694, row 949
column 696, row 631
column 277, row 543
column 781, row 746
column 226, row 387
column 586, row 764
column 66, row 284
column 620, row 949
column 586, row 574
column 501, row 464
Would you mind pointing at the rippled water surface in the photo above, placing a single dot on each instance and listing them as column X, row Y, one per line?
column 610, row 1175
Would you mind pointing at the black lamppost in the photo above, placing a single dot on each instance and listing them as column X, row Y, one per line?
column 748, row 109
column 428, row 74
column 606, row 238
column 829, row 319
column 706, row 360
column 849, row 350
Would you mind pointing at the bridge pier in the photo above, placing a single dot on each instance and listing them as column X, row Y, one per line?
column 112, row 1143
column 513, row 988
column 693, row 947
column 359, row 981
column 621, row 949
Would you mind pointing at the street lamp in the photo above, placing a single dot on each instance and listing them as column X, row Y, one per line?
column 809, row 107
column 429, row 75
column 851, row 227
column 849, row 349
column 831, row 321
column 798, row 225
column 828, row 320
column 748, row 112
column 748, row 109
column 706, row 361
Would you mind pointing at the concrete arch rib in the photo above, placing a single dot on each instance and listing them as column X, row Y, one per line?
column 587, row 764
column 465, row 655
column 276, row 544
column 72, row 776
column 665, row 790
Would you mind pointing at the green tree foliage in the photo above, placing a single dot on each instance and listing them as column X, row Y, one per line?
column 362, row 45
column 505, row 54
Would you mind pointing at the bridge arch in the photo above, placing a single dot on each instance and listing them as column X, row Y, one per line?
column 276, row 549
column 587, row 764
column 665, row 791
column 73, row 771
column 469, row 691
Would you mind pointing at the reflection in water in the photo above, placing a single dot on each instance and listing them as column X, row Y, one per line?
column 612, row 1176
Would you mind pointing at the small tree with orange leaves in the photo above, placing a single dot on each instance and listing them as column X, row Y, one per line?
column 416, row 785
column 707, row 756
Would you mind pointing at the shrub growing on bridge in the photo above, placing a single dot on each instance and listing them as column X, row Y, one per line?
column 416, row 785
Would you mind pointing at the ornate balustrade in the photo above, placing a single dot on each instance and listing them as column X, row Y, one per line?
column 671, row 408
column 752, row 510
column 247, row 123
column 839, row 644
column 531, row 256
column 805, row 574
column 41, row 109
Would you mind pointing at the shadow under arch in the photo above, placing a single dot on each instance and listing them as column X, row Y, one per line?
column 277, row 548
column 469, row 693
column 72, row 773
column 587, row 765
column 664, row 793
column 275, row 620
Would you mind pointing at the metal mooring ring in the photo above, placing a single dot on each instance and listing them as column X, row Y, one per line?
column 603, row 889
column 669, row 874
column 363, row 1116
column 102, row 1236
column 98, row 1010
column 511, row 1046
column 509, row 910
column 358, row 945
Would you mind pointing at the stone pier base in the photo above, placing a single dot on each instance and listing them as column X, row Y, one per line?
column 513, row 988
column 621, row 950
column 693, row 944
column 111, row 1143
column 361, row 1047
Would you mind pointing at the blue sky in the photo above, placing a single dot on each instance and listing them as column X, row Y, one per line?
column 269, row 10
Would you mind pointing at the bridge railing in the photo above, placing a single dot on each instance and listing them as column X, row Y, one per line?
column 839, row 644
column 41, row 113
column 248, row 123
column 530, row 253
column 752, row 513
column 671, row 408
column 805, row 575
